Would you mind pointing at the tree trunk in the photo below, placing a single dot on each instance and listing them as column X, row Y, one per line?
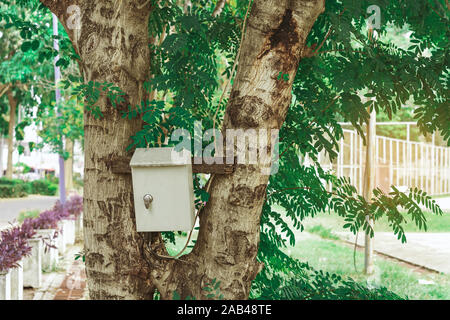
column 113, row 46
column 12, row 123
column 112, row 42
column 219, row 7
column 68, row 166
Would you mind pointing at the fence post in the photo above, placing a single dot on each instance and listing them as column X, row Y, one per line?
column 369, row 179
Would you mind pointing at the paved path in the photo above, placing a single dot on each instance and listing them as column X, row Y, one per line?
column 68, row 283
column 10, row 208
column 444, row 203
column 430, row 250
column 73, row 287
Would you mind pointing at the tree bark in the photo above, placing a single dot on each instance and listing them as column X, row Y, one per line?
column 112, row 43
column 12, row 123
column 68, row 165
column 219, row 7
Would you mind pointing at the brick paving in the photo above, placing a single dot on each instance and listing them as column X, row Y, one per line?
column 73, row 285
column 67, row 282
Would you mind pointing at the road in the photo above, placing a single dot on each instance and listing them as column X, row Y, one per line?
column 10, row 208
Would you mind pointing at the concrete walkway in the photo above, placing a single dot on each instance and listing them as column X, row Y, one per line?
column 11, row 208
column 430, row 250
column 68, row 282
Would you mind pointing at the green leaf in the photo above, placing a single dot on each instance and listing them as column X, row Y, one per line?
column 26, row 46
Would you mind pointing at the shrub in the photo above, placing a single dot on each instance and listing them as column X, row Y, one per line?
column 325, row 233
column 74, row 205
column 14, row 246
column 43, row 187
column 286, row 278
column 13, row 191
column 14, row 242
column 52, row 178
column 6, row 181
column 46, row 220
column 307, row 283
column 24, row 167
column 14, row 188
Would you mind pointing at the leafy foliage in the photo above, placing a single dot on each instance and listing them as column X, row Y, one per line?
column 14, row 246
column 28, row 56
column 214, row 289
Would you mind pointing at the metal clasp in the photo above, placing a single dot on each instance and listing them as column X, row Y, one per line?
column 148, row 199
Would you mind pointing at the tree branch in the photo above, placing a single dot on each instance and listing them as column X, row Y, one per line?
column 4, row 88
column 219, row 7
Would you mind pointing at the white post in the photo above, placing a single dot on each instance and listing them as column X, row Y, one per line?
column 350, row 173
column 79, row 227
column 391, row 162
column 369, row 180
column 433, row 166
column 32, row 265
column 397, row 149
column 408, row 132
column 69, row 230
column 17, row 282
column 360, row 180
column 416, row 164
column 405, row 176
column 341, row 157
column 1, row 156
column 5, row 285
column 375, row 161
column 422, row 154
column 447, row 171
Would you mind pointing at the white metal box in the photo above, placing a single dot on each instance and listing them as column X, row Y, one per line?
column 163, row 177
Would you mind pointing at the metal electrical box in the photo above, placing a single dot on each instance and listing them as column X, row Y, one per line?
column 163, row 189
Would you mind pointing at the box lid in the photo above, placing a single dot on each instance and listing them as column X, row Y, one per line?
column 159, row 157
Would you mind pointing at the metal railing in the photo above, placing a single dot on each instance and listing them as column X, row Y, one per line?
column 399, row 162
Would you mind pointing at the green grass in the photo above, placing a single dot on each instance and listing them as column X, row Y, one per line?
column 325, row 233
column 180, row 242
column 337, row 258
column 27, row 214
